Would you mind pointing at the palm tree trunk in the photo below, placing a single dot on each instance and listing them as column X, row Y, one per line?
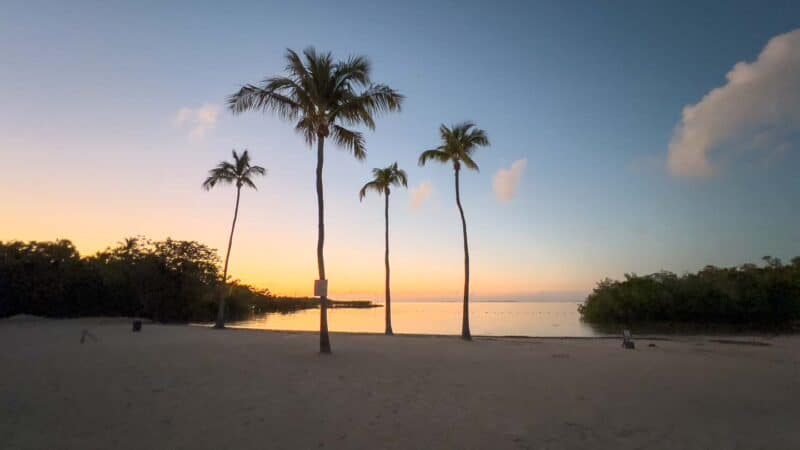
column 324, row 339
column 465, row 334
column 386, row 261
column 221, row 310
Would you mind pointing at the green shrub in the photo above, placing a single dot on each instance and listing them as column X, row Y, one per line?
column 167, row 281
column 747, row 294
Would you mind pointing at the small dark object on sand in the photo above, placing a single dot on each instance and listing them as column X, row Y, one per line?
column 88, row 334
column 651, row 345
column 137, row 326
column 627, row 340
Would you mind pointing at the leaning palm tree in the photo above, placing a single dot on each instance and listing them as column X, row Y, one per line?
column 322, row 96
column 459, row 142
column 382, row 181
column 240, row 173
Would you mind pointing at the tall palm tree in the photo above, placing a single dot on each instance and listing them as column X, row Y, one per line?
column 240, row 173
column 322, row 96
column 459, row 142
column 382, row 181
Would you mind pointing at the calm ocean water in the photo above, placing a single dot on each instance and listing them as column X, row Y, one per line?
column 486, row 318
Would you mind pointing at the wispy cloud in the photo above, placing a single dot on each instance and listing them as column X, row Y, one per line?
column 758, row 108
column 420, row 194
column 197, row 121
column 506, row 181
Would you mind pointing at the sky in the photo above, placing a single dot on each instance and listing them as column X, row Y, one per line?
column 628, row 136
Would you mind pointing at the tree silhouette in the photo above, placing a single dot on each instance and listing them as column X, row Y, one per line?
column 459, row 142
column 321, row 95
column 381, row 183
column 240, row 173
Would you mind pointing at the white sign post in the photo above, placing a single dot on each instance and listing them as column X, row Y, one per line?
column 320, row 288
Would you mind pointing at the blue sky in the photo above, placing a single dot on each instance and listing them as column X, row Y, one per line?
column 589, row 95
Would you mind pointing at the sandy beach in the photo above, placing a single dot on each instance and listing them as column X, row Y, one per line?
column 184, row 387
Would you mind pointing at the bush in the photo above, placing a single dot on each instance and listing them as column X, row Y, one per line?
column 739, row 295
column 167, row 281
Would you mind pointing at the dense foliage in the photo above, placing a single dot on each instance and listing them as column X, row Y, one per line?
column 168, row 281
column 748, row 294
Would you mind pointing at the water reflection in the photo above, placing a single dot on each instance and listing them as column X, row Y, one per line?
column 486, row 318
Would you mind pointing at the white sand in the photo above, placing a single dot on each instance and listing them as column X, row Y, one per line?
column 179, row 387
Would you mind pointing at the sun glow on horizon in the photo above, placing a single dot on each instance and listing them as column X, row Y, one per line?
column 276, row 264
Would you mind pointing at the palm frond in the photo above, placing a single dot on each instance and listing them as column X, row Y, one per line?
column 209, row 183
column 245, row 181
column 307, row 128
column 217, row 176
column 462, row 128
column 350, row 140
column 360, row 109
column 352, row 110
column 354, row 70
column 256, row 170
column 444, row 132
column 269, row 97
column 240, row 161
column 477, row 138
column 436, row 154
column 469, row 162
column 401, row 177
column 370, row 186
column 295, row 65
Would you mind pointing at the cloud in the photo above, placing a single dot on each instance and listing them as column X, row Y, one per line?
column 758, row 108
column 197, row 121
column 420, row 194
column 506, row 181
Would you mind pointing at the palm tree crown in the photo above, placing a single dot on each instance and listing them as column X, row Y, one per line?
column 240, row 172
column 383, row 179
column 458, row 143
column 322, row 95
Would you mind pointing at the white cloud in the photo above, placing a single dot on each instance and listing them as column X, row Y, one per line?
column 758, row 108
column 506, row 181
column 420, row 194
column 198, row 121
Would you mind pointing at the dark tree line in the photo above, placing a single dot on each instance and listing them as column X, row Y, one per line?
column 167, row 281
column 748, row 294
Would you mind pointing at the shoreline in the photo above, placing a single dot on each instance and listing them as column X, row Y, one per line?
column 745, row 338
column 670, row 338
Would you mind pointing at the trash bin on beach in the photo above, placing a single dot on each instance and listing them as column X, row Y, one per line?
column 137, row 326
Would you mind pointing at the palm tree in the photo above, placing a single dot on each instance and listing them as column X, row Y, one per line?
column 459, row 142
column 322, row 96
column 382, row 181
column 240, row 173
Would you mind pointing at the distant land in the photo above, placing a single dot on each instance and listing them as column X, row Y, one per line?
column 543, row 297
